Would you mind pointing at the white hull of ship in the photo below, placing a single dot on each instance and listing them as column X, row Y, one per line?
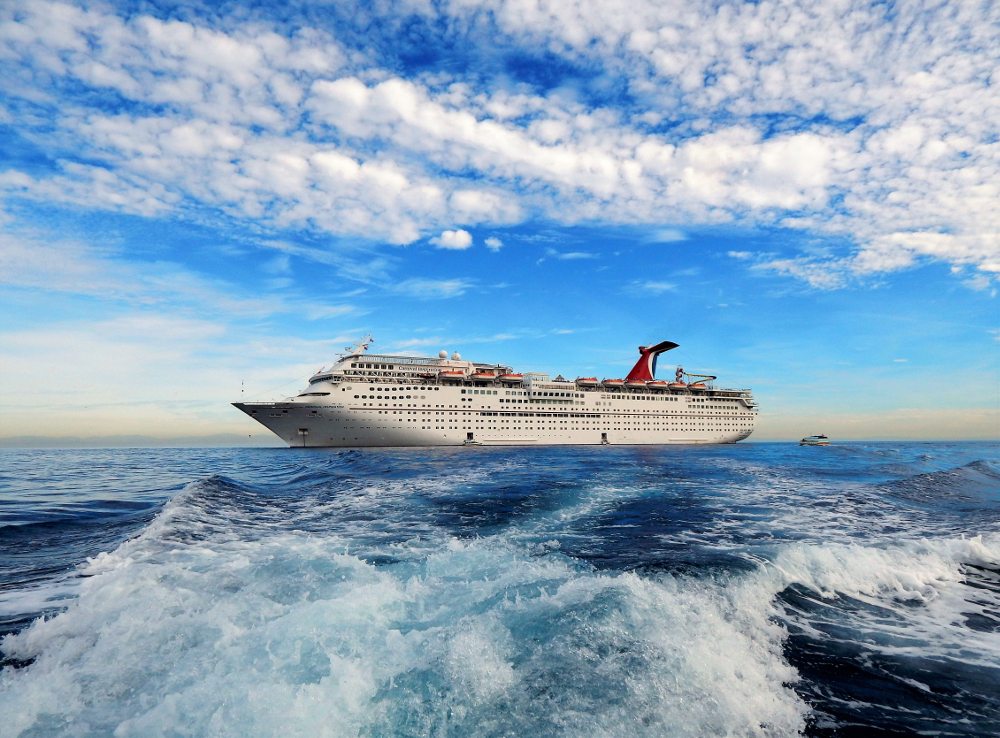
column 319, row 426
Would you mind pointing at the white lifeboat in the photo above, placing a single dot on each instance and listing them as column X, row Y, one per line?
column 483, row 376
column 511, row 378
column 656, row 384
column 698, row 386
column 449, row 374
column 614, row 382
column 677, row 385
column 636, row 384
column 587, row 381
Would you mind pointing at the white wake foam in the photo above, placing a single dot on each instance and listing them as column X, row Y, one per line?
column 290, row 635
column 918, row 593
column 194, row 629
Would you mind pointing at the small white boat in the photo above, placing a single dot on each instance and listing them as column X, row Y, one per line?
column 587, row 381
column 511, row 378
column 815, row 441
column 613, row 382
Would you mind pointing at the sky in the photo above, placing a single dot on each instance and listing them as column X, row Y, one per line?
column 206, row 202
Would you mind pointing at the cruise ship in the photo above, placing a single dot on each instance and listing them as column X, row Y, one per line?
column 368, row 399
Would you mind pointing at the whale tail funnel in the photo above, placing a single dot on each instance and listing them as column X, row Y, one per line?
column 645, row 368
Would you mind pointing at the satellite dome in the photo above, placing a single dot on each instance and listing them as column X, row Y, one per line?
column 442, row 354
column 456, row 356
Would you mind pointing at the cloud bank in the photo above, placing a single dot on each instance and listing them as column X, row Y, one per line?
column 874, row 124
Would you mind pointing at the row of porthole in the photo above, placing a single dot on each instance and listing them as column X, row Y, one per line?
column 400, row 389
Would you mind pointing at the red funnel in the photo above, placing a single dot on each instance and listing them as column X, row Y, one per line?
column 645, row 368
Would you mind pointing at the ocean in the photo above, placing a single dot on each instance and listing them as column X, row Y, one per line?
column 758, row 589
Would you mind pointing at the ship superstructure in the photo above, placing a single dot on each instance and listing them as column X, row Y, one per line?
column 367, row 399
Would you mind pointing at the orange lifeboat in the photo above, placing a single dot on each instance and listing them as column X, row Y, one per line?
column 483, row 376
column 448, row 374
column 614, row 382
column 677, row 385
column 511, row 378
column 699, row 386
column 587, row 381
column 656, row 384
column 636, row 384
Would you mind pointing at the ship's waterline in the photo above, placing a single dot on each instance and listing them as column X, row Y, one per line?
column 393, row 400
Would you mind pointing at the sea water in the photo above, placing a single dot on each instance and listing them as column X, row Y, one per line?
column 749, row 590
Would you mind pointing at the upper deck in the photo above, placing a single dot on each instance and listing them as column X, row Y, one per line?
column 395, row 369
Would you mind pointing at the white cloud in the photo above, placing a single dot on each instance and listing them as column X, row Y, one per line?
column 656, row 287
column 569, row 255
column 457, row 240
column 884, row 125
column 493, row 243
column 740, row 254
column 431, row 289
column 896, row 251
column 827, row 274
column 478, row 206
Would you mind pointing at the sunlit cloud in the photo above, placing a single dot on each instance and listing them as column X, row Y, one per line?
column 455, row 240
column 888, row 137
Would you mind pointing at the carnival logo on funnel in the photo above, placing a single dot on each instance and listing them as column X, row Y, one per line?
column 645, row 368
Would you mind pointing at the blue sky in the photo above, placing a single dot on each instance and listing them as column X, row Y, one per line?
column 202, row 201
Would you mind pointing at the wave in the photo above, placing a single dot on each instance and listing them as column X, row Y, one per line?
column 289, row 634
column 905, row 636
column 333, row 600
column 973, row 482
column 193, row 628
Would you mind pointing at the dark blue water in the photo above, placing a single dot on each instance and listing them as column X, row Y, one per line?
column 748, row 590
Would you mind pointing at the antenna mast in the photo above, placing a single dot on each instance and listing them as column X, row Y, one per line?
column 360, row 347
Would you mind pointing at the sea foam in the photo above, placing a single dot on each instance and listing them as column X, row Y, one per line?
column 291, row 634
column 348, row 608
